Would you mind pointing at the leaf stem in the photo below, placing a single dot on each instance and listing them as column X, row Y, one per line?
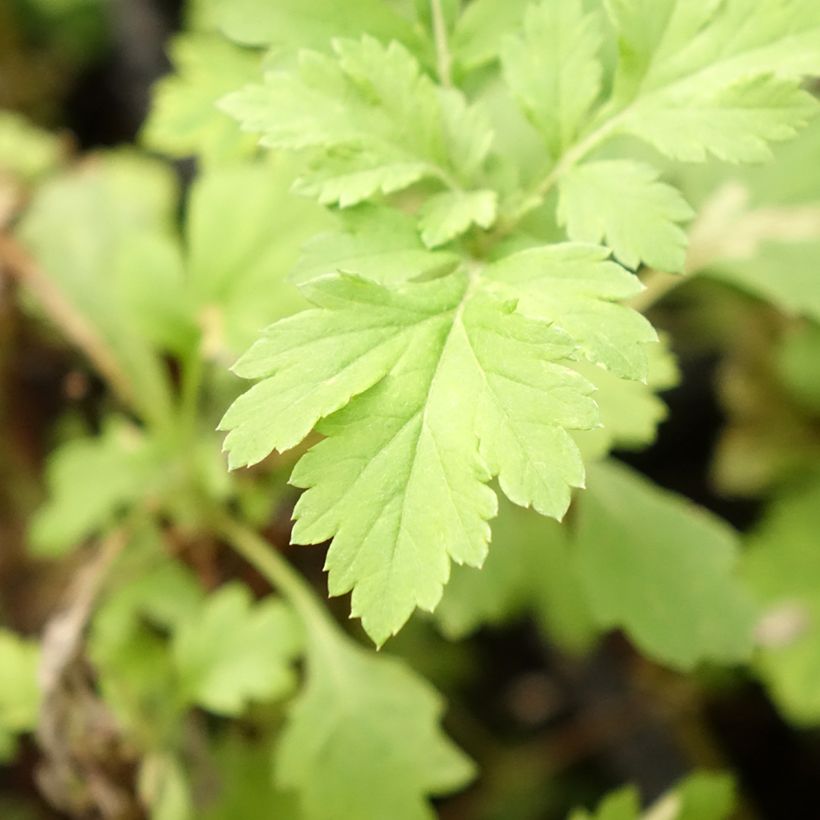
column 444, row 59
column 269, row 563
column 568, row 161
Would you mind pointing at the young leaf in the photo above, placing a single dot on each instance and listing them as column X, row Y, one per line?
column 370, row 727
column 701, row 796
column 782, row 567
column 645, row 557
column 375, row 122
column 25, row 150
column 376, row 243
column 184, row 119
column 297, row 24
column 715, row 78
column 448, row 215
column 92, row 479
column 479, row 30
column 529, row 570
column 455, row 387
column 622, row 203
column 231, row 652
column 238, row 259
column 578, row 288
column 553, row 68
column 19, row 691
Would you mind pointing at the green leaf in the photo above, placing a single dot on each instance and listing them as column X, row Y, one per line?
column 529, row 570
column 373, row 121
column 630, row 411
column 90, row 480
column 380, row 244
column 578, row 288
column 662, row 569
column 622, row 203
column 19, row 689
column 371, row 728
column 701, row 796
column 297, row 24
column 445, row 216
column 782, row 566
column 623, row 804
column 82, row 227
column 553, row 68
column 245, row 782
column 453, row 387
column 479, row 31
column 26, row 151
column 238, row 258
column 715, row 78
column 184, row 119
column 735, row 123
column 164, row 787
column 232, row 652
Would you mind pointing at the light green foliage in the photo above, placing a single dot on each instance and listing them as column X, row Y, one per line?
column 701, row 796
column 373, row 242
column 231, row 652
column 19, row 690
column 646, row 556
column 715, row 78
column 238, row 258
column 401, row 479
column 90, row 480
column 295, row 24
column 184, row 119
column 371, row 728
column 622, row 203
column 478, row 32
column 448, row 215
column 529, row 570
column 782, row 566
column 553, row 69
column 579, row 289
column 245, row 783
column 630, row 411
column 375, row 122
column 25, row 150
column 83, row 227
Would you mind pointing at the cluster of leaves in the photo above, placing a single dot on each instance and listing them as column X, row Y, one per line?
column 443, row 210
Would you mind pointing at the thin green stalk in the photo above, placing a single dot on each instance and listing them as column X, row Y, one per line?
column 444, row 59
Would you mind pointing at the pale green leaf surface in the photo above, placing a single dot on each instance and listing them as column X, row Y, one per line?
column 646, row 556
column 479, row 31
column 374, row 121
column 90, row 480
column 782, row 566
column 529, row 570
column 445, row 216
column 553, row 68
column 453, row 387
column 798, row 365
column 233, row 652
column 371, row 727
column 184, row 119
column 623, row 204
column 238, row 259
column 579, row 289
column 735, row 123
column 630, row 411
column 25, row 150
column 19, row 689
column 375, row 243
column 293, row 24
